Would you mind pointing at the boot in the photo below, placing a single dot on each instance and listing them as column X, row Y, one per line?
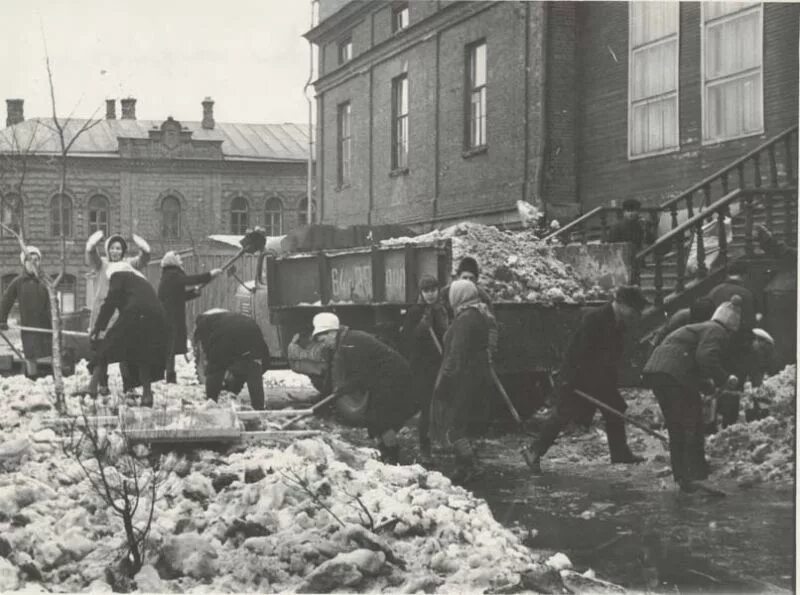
column 618, row 443
column 533, row 460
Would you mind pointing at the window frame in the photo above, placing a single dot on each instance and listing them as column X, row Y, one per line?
column 239, row 213
column 92, row 227
column 19, row 211
column 677, row 92
column 68, row 204
column 400, row 123
column 178, row 212
column 469, row 92
column 703, row 83
column 343, row 180
column 344, row 50
column 270, row 212
column 398, row 8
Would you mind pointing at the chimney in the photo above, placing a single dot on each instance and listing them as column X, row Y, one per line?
column 128, row 108
column 14, row 111
column 111, row 109
column 208, row 113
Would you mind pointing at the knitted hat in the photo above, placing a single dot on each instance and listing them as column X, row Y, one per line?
column 729, row 314
column 30, row 250
column 469, row 265
column 463, row 293
column 325, row 321
column 117, row 238
column 171, row 258
column 428, row 282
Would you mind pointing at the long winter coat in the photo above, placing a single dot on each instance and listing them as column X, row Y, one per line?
column 418, row 346
column 363, row 363
column 227, row 336
column 139, row 337
column 691, row 354
column 174, row 290
column 465, row 382
column 99, row 265
column 34, row 310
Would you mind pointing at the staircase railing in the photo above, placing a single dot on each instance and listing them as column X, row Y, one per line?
column 745, row 172
column 598, row 232
column 679, row 239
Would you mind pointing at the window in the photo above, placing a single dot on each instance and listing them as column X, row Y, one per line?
column 170, row 218
column 476, row 95
column 399, row 16
column 239, row 211
column 345, row 50
column 11, row 213
column 98, row 214
column 732, row 70
column 302, row 212
column 273, row 217
column 344, row 143
column 400, row 122
column 61, row 222
column 66, row 293
column 653, row 78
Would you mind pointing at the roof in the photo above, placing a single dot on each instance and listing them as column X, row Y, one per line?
column 259, row 142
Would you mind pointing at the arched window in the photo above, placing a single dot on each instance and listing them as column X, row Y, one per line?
column 273, row 217
column 302, row 212
column 66, row 293
column 170, row 218
column 11, row 213
column 239, row 211
column 98, row 214
column 65, row 220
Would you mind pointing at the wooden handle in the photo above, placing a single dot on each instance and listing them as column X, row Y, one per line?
column 34, row 329
column 311, row 411
column 501, row 389
column 630, row 420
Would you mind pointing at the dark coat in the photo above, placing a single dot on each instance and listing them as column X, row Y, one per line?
column 691, row 354
column 418, row 346
column 34, row 310
column 174, row 290
column 139, row 336
column 227, row 337
column 465, row 381
column 729, row 288
column 363, row 363
column 677, row 320
column 635, row 231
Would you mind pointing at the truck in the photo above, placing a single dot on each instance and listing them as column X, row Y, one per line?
column 371, row 287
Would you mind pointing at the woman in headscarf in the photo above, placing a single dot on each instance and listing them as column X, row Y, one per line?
column 174, row 290
column 139, row 338
column 116, row 249
column 464, row 384
column 424, row 327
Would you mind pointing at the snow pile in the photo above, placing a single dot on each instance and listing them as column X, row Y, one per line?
column 762, row 450
column 515, row 266
column 314, row 516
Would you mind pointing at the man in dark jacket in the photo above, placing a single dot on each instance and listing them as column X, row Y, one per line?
column 700, row 311
column 631, row 228
column 591, row 365
column 174, row 290
column 138, row 338
column 688, row 362
column 34, row 308
column 232, row 342
column 362, row 363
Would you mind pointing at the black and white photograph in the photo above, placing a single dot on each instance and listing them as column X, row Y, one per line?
column 399, row 296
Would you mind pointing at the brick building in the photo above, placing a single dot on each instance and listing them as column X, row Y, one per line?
column 173, row 183
column 430, row 112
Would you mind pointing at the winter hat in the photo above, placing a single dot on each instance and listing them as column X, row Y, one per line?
column 760, row 333
column 631, row 295
column 729, row 314
column 463, row 293
column 29, row 250
column 117, row 238
column 170, row 259
column 428, row 282
column 121, row 267
column 468, row 265
column 325, row 321
column 213, row 311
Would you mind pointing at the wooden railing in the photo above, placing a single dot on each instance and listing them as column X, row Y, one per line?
column 746, row 172
column 680, row 238
column 601, row 219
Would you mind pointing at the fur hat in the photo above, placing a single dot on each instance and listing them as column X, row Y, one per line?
column 469, row 265
column 117, row 238
column 325, row 321
column 171, row 258
column 428, row 282
column 729, row 314
column 463, row 293
column 30, row 250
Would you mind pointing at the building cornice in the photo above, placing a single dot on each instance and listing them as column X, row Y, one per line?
column 332, row 25
column 448, row 16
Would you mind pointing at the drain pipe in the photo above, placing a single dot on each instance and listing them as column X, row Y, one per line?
column 310, row 164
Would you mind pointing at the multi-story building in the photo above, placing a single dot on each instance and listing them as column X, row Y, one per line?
column 429, row 112
column 172, row 182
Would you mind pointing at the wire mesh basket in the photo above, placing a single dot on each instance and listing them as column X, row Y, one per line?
column 215, row 424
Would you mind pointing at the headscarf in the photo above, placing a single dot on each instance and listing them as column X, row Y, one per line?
column 171, row 258
column 122, row 267
column 29, row 250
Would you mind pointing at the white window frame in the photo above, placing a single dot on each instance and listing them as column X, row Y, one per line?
column 649, row 44
column 703, row 85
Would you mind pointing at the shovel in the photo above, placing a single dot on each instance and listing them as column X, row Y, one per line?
column 630, row 420
column 312, row 410
column 33, row 329
column 252, row 242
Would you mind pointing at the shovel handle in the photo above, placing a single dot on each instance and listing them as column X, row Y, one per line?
column 34, row 329
column 312, row 410
column 630, row 420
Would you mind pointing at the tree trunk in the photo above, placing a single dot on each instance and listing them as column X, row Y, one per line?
column 55, row 320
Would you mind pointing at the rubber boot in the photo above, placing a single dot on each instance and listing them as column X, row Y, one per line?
column 618, row 443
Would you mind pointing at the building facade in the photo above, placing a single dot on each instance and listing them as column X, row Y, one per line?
column 173, row 183
column 431, row 112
